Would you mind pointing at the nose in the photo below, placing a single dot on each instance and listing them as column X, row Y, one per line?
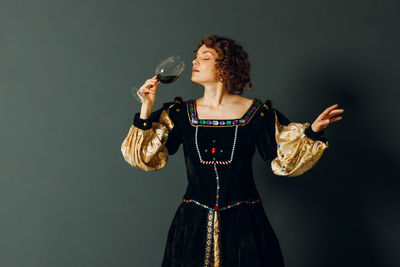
column 195, row 61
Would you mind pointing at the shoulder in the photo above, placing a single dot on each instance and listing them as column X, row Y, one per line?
column 263, row 106
column 174, row 107
column 242, row 101
column 260, row 104
column 267, row 104
column 271, row 113
column 264, row 111
column 177, row 102
column 242, row 98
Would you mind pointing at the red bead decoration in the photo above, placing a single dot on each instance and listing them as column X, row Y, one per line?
column 213, row 150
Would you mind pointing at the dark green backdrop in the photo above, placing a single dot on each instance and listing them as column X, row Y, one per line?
column 67, row 197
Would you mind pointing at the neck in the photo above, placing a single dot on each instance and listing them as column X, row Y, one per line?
column 215, row 95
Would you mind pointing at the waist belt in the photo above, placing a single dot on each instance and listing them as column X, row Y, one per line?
column 216, row 207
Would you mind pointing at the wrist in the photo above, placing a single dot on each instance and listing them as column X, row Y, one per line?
column 314, row 129
column 145, row 111
column 315, row 135
column 140, row 123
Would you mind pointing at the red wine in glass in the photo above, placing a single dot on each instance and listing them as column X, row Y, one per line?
column 167, row 72
column 166, row 79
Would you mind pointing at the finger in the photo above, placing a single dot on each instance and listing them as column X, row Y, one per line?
column 144, row 90
column 150, row 82
column 328, row 113
column 335, row 119
column 150, row 85
column 152, row 91
column 140, row 96
column 338, row 110
column 327, row 110
column 335, row 112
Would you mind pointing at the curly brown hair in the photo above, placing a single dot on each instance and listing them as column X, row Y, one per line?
column 232, row 62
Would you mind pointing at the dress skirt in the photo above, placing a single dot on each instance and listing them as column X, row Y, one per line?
column 246, row 238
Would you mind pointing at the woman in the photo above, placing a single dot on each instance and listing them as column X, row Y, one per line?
column 221, row 221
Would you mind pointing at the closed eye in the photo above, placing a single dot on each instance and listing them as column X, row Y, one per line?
column 201, row 58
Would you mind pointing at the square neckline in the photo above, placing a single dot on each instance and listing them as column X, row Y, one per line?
column 244, row 119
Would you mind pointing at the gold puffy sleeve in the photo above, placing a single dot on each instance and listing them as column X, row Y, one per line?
column 145, row 146
column 291, row 148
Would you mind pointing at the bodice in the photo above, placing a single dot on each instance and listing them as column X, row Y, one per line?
column 218, row 157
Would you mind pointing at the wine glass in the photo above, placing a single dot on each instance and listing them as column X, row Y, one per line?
column 167, row 71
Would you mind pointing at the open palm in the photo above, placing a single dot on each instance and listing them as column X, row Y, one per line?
column 326, row 117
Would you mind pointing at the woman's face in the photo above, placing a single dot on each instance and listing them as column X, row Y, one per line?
column 204, row 70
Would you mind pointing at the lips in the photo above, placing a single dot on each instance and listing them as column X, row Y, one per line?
column 194, row 70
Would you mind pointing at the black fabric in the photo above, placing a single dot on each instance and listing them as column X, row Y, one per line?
column 154, row 117
column 143, row 124
column 246, row 235
column 316, row 136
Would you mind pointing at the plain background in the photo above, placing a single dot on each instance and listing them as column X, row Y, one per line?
column 68, row 198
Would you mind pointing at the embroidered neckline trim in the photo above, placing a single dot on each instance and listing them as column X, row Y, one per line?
column 194, row 121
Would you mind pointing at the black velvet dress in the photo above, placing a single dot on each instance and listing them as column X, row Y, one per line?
column 221, row 220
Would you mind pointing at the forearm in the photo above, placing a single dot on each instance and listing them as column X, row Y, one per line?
column 145, row 111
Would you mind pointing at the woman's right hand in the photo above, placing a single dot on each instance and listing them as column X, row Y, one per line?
column 149, row 90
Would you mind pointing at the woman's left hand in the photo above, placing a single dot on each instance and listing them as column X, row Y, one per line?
column 323, row 120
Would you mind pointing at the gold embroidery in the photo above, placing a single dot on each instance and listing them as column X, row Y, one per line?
column 207, row 259
column 212, row 250
column 296, row 153
column 216, row 260
column 145, row 149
